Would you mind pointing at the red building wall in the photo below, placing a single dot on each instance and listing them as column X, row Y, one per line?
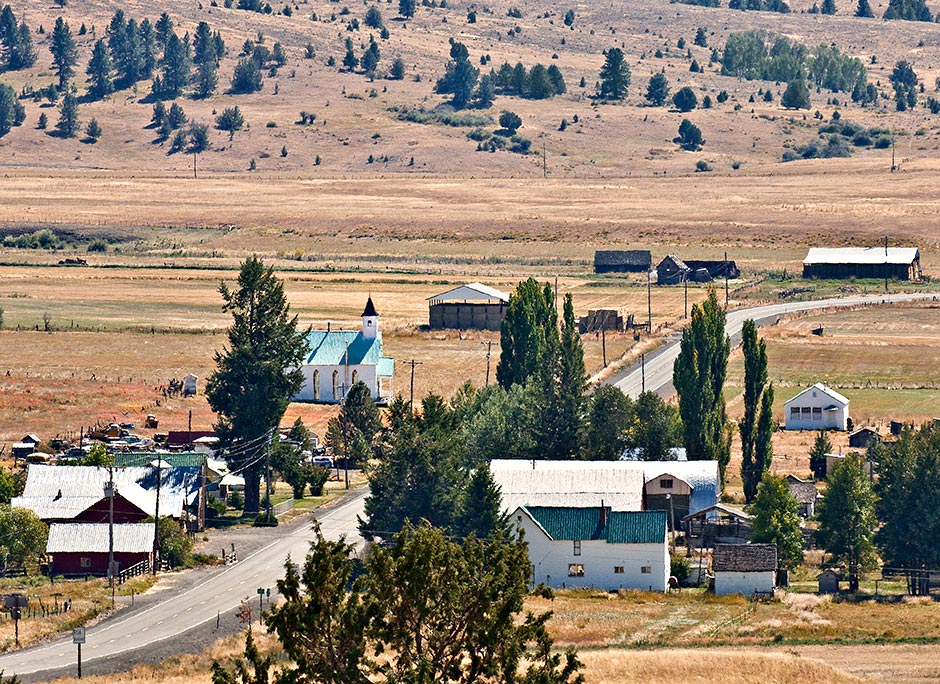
column 124, row 512
column 97, row 563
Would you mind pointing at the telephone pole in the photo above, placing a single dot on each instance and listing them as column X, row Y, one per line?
column 726, row 280
column 544, row 163
column 413, row 363
column 109, row 492
column 649, row 304
column 267, row 478
column 686, row 280
column 489, row 347
column 156, row 519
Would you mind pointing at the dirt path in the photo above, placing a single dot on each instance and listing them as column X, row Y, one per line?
column 888, row 664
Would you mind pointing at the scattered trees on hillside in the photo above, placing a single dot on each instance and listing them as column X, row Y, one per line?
column 904, row 81
column 252, row 384
column 908, row 10
column 16, row 43
column 537, row 83
column 699, row 378
column 615, row 76
column 760, row 5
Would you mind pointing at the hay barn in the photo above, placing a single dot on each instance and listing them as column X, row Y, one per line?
column 623, row 261
column 469, row 307
column 897, row 263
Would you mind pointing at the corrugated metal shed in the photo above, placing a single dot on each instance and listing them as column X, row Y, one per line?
column 901, row 256
column 620, row 527
column 585, row 483
column 93, row 538
column 471, row 292
column 744, row 557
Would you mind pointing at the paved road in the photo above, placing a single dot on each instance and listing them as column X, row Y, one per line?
column 659, row 363
column 180, row 611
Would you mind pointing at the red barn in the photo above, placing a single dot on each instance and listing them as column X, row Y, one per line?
column 82, row 548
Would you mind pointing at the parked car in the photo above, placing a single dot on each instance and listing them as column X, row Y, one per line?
column 322, row 461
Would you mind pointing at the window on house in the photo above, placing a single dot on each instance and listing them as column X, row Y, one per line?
column 316, row 385
column 817, row 414
column 665, row 483
column 532, row 571
column 355, row 377
column 84, row 562
column 794, row 411
column 577, row 547
column 575, row 570
column 646, row 569
column 806, row 411
column 618, row 569
column 336, row 385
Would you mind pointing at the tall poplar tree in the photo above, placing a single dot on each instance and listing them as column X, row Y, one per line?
column 699, row 378
column 564, row 383
column 755, row 457
column 528, row 334
column 258, row 373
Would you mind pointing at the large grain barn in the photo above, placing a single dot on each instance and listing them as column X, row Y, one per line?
column 897, row 263
column 469, row 307
column 623, row 261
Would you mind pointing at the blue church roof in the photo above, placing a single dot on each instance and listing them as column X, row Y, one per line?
column 328, row 348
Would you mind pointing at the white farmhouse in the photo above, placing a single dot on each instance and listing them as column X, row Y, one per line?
column 817, row 408
column 744, row 568
column 596, row 547
column 339, row 359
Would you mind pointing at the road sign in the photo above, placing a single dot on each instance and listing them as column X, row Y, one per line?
column 260, row 590
column 15, row 601
column 78, row 635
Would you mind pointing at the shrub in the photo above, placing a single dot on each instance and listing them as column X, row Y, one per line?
column 318, row 478
column 98, row 245
column 701, row 166
column 236, row 499
column 685, row 99
column 679, row 567
column 510, row 121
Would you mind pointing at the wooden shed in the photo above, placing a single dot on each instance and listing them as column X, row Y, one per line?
column 744, row 568
column 829, row 582
column 469, row 307
column 671, row 271
column 82, row 548
column 623, row 261
column 861, row 438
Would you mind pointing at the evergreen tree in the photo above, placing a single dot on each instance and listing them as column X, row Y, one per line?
column 528, row 333
column 817, row 456
column 176, row 117
column 777, row 521
column 203, row 45
column 539, row 85
column 159, row 114
column 615, row 75
column 397, row 72
column 198, row 138
column 148, row 49
column 373, row 18
column 99, row 71
column 164, row 27
column 64, row 52
column 847, row 518
column 828, row 7
column 486, row 92
column 796, row 96
column 176, row 67
column 690, row 136
column 609, row 415
column 482, row 507
column 699, row 378
column 207, row 79
column 460, row 76
column 685, row 99
column 67, row 125
column 258, row 373
column 565, row 391
column 350, row 61
column 12, row 114
column 406, row 8
column 701, row 37
column 864, row 9
column 908, row 10
column 657, row 90
column 16, row 43
column 558, row 80
column 93, row 131
column 246, row 77
column 904, row 81
column 231, row 120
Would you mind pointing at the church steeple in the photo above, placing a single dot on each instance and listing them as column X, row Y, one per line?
column 370, row 321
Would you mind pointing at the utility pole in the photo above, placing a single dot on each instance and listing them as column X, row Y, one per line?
column 726, row 280
column 544, row 162
column 156, row 520
column 643, row 373
column 686, row 280
column 489, row 347
column 604, row 344
column 267, row 477
column 109, row 492
column 194, row 163
column 649, row 304
column 414, row 363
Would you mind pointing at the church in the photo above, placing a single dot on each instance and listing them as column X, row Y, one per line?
column 340, row 358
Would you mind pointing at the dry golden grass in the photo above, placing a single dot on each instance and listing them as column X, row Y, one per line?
column 671, row 666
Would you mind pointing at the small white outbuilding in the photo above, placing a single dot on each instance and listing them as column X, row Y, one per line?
column 744, row 568
column 817, row 408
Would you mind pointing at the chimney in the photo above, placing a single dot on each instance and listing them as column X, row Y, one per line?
column 603, row 514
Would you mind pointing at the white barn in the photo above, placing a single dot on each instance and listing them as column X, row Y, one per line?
column 338, row 359
column 596, row 547
column 744, row 568
column 817, row 408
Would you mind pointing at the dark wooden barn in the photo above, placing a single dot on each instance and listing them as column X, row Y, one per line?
column 623, row 261
column 896, row 263
column 82, row 548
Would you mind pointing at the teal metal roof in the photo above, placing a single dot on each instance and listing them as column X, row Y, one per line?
column 622, row 527
column 328, row 348
column 188, row 459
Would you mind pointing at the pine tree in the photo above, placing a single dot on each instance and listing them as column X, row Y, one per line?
column 482, row 509
column 460, row 76
column 207, row 79
column 203, row 45
column 796, row 96
column 350, row 61
column 258, row 373
column 93, row 131
column 67, row 125
column 176, row 68
column 164, row 27
column 148, row 49
column 64, row 52
column 777, row 521
column 406, row 8
column 609, row 415
column 817, row 456
column 99, row 71
column 615, row 75
column 658, row 89
column 12, row 112
column 828, row 7
column 864, row 10
column 699, row 378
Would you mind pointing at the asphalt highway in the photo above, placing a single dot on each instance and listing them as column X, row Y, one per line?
column 659, row 363
column 179, row 611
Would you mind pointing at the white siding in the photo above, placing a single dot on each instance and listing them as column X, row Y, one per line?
column 743, row 582
column 366, row 374
column 552, row 558
column 812, row 405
